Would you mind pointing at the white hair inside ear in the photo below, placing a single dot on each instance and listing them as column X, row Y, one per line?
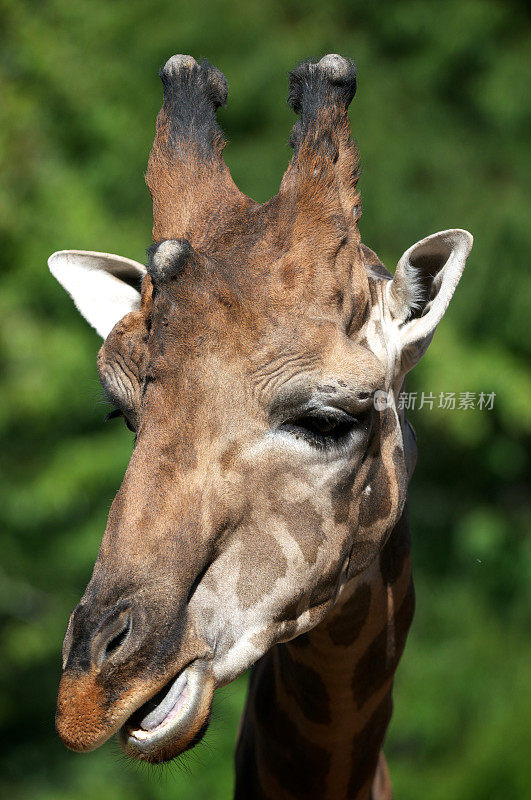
column 423, row 285
column 104, row 287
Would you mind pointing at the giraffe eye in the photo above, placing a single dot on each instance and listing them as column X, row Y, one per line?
column 113, row 414
column 321, row 429
column 117, row 412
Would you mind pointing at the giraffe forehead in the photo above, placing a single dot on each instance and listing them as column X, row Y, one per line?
column 269, row 350
column 249, row 286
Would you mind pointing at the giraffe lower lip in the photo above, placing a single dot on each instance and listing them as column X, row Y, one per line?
column 173, row 719
column 164, row 707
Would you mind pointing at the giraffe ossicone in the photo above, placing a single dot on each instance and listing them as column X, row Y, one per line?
column 261, row 521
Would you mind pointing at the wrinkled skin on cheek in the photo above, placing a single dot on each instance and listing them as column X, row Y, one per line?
column 123, row 360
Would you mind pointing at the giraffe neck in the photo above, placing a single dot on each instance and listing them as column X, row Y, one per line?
column 318, row 707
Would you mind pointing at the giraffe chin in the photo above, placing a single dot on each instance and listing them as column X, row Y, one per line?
column 174, row 720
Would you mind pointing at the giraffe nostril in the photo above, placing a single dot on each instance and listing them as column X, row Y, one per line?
column 117, row 640
column 109, row 641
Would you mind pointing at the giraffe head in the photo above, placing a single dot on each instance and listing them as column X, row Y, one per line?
column 258, row 358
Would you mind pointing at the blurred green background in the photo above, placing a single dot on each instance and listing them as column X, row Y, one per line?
column 442, row 117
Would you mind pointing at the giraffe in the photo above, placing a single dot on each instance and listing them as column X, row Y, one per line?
column 262, row 521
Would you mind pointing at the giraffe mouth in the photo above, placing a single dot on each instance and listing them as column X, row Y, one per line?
column 174, row 719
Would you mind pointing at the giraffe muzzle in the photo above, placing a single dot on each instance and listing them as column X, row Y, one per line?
column 174, row 719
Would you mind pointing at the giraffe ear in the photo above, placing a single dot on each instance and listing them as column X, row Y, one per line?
column 104, row 287
column 425, row 279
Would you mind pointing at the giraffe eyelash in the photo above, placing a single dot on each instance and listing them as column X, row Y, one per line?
column 117, row 412
column 324, row 430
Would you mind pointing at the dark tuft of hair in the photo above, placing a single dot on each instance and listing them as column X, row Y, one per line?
column 190, row 77
column 317, row 83
column 192, row 94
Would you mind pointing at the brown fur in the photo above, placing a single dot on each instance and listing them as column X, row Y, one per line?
column 234, row 539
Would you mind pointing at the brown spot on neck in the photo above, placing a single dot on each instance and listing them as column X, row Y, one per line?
column 345, row 628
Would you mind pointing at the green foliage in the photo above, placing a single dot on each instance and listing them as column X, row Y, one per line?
column 442, row 118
